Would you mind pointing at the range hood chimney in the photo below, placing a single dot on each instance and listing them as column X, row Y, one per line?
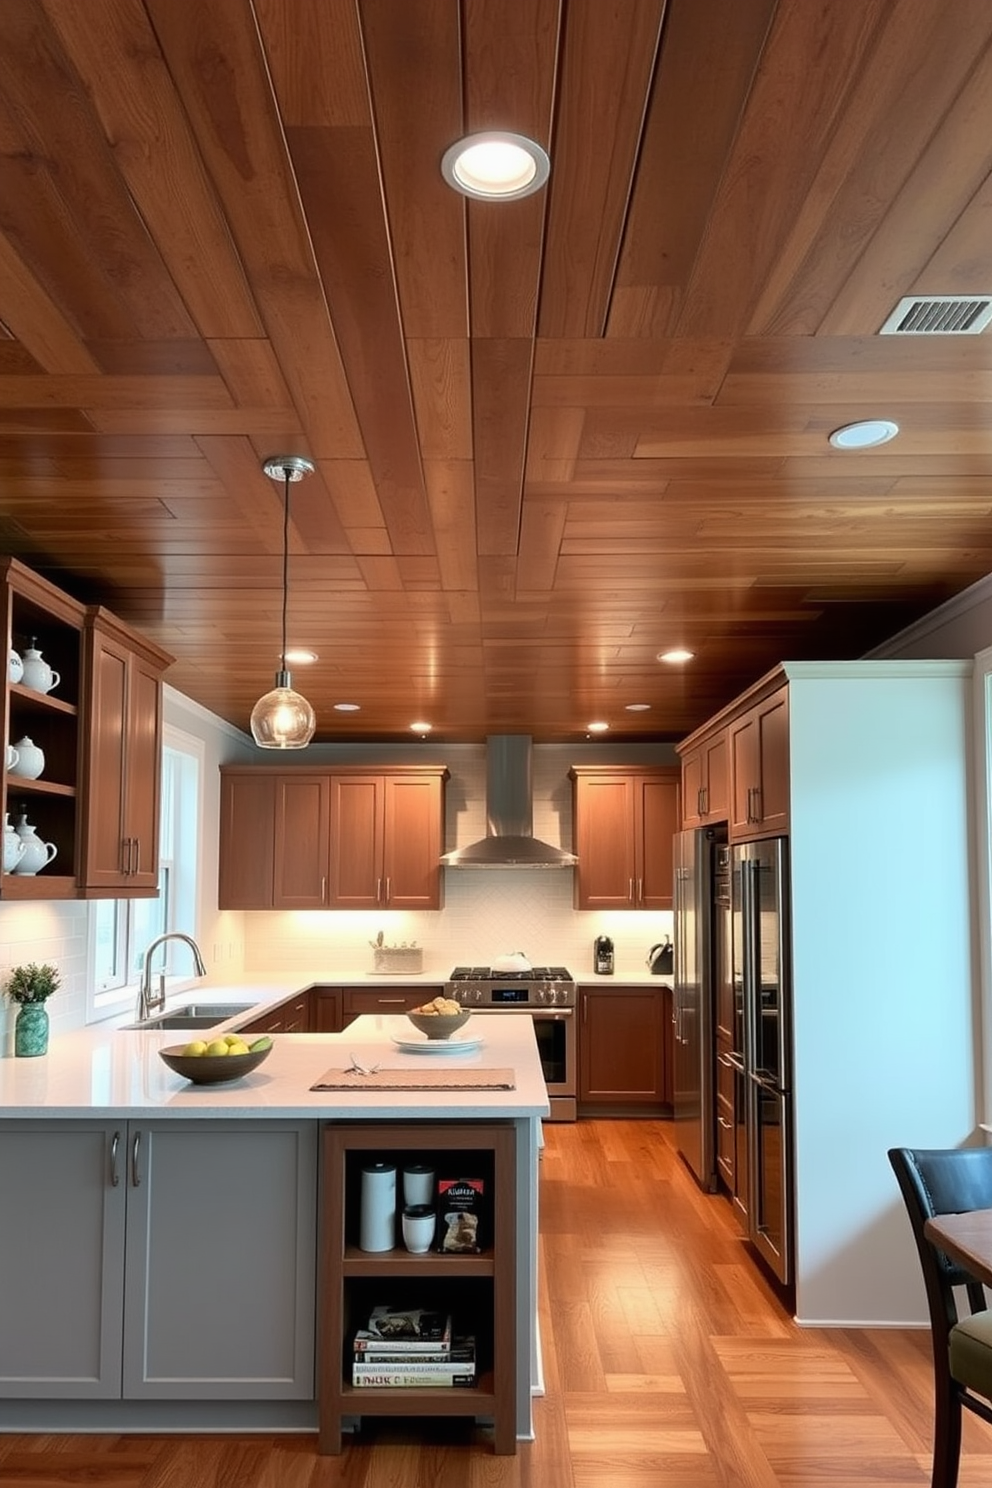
column 509, row 841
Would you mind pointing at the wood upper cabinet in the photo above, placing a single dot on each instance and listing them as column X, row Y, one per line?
column 333, row 839
column 759, row 769
column 274, row 839
column 624, row 820
column 122, row 759
column 36, row 615
column 386, row 835
column 623, row 1046
column 706, row 782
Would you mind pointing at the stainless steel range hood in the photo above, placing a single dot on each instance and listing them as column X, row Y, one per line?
column 509, row 840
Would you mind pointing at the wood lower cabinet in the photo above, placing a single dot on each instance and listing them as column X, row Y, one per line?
column 325, row 1010
column 706, row 782
column 121, row 759
column 623, row 1043
column 169, row 1259
column 359, row 1000
column 759, row 769
column 294, row 1016
column 387, row 832
column 624, row 821
column 339, row 839
column 478, row 1290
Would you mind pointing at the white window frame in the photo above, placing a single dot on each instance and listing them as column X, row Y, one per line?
column 181, row 838
column 982, row 698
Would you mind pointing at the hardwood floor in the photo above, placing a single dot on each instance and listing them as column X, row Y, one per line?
column 668, row 1360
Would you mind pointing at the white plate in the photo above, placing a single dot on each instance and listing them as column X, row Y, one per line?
column 419, row 1043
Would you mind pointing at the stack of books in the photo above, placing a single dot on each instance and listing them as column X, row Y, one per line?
column 413, row 1347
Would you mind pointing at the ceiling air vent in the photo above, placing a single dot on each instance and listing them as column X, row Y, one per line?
column 939, row 315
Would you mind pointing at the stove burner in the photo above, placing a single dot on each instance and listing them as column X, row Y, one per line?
column 486, row 974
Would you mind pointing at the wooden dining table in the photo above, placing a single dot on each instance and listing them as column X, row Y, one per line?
column 966, row 1238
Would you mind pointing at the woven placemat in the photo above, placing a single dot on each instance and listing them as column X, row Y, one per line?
column 415, row 1079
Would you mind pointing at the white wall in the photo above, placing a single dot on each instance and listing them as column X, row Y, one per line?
column 886, row 1036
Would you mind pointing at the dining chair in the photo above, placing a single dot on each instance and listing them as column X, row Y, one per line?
column 951, row 1181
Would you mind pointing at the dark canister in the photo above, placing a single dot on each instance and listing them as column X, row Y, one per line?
column 603, row 955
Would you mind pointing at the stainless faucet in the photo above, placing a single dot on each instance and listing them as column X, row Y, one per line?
column 148, row 1002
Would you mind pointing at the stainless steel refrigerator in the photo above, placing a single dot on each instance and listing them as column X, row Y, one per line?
column 692, row 1003
column 760, row 940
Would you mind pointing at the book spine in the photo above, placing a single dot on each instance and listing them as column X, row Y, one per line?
column 363, row 1378
column 376, row 1346
column 464, row 1358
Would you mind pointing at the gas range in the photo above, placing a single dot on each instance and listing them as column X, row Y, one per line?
column 481, row 988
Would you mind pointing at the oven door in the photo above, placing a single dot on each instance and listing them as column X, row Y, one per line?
column 554, row 1029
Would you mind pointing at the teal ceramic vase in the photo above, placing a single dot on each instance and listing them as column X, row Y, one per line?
column 31, row 1030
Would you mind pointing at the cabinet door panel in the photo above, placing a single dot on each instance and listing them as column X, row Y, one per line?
column 621, row 1045
column 412, row 844
column 773, row 724
column 247, row 841
column 105, row 783
column 60, row 1335
column 659, row 819
column 143, row 795
column 356, row 842
column 604, row 843
column 301, row 842
column 219, row 1287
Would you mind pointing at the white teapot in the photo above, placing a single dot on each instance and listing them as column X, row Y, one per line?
column 13, row 846
column 15, row 666
column 35, row 853
column 38, row 675
column 29, row 759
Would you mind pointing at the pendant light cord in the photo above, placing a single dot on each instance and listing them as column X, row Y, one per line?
column 285, row 563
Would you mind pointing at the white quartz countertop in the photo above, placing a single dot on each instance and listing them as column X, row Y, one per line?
column 103, row 1070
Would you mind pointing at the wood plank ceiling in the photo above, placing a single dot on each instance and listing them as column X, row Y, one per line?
column 552, row 436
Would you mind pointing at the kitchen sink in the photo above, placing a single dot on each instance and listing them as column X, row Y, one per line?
column 194, row 1015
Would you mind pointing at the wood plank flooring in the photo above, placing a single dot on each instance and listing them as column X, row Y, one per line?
column 668, row 1361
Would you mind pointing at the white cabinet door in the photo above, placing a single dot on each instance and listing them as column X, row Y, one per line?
column 220, row 1272
column 62, row 1214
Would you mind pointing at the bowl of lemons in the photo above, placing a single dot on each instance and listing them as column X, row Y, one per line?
column 218, row 1060
column 440, row 1018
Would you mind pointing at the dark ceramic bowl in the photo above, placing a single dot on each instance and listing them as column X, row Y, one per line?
column 212, row 1069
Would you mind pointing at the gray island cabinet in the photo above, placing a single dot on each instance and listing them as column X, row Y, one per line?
column 160, row 1259
column 161, row 1241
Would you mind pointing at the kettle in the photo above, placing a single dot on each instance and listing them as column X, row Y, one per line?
column 661, row 958
column 603, row 955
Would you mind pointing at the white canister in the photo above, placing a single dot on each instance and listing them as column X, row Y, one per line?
column 30, row 760
column 36, row 854
column 38, row 675
column 15, row 666
column 378, row 1213
column 418, row 1183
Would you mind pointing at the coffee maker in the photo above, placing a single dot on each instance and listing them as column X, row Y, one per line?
column 603, row 955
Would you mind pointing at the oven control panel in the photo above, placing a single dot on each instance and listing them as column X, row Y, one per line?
column 540, row 988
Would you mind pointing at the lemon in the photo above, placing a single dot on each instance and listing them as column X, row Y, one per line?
column 233, row 1038
column 240, row 1047
column 196, row 1047
column 217, row 1046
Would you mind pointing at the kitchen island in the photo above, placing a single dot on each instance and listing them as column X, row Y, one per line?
column 173, row 1239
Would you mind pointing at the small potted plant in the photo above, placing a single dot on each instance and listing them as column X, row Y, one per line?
column 31, row 986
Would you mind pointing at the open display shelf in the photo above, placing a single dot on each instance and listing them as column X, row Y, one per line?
column 478, row 1290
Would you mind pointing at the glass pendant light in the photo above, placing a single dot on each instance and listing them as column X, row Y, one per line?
column 283, row 719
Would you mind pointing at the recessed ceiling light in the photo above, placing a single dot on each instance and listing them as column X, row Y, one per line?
column 638, row 707
column 597, row 728
column 299, row 656
column 864, row 435
column 495, row 166
column 421, row 728
column 676, row 655
column 347, row 707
